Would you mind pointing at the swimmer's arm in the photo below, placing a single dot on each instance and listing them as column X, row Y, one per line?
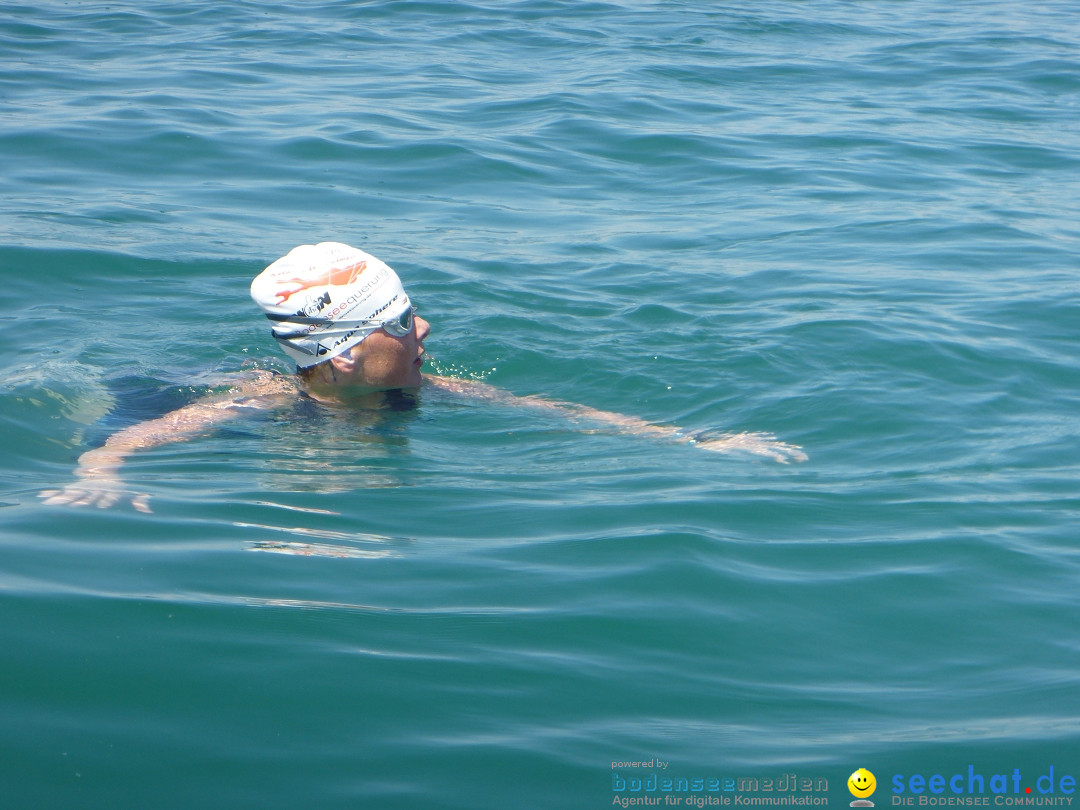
column 761, row 444
column 98, row 471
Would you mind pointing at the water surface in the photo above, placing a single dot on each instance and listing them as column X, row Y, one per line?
column 849, row 224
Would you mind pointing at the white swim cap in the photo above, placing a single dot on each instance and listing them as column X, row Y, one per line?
column 324, row 299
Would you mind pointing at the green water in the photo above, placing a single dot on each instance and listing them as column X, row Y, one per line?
column 850, row 225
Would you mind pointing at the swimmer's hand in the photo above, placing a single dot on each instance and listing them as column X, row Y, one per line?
column 757, row 444
column 101, row 493
column 98, row 484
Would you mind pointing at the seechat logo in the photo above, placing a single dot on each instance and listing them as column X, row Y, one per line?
column 976, row 789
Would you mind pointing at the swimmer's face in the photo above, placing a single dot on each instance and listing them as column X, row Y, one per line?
column 861, row 783
column 385, row 361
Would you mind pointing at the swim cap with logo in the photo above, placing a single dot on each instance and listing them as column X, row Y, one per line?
column 324, row 299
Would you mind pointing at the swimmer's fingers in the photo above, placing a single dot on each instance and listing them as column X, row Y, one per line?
column 102, row 497
column 59, row 497
column 758, row 444
column 71, row 496
column 78, row 496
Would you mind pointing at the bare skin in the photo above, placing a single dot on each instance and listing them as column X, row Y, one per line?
column 380, row 362
column 98, row 472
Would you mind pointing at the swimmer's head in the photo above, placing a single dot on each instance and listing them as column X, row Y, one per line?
column 324, row 299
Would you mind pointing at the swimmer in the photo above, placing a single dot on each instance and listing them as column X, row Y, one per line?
column 343, row 316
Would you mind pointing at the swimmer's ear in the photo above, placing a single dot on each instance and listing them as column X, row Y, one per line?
column 343, row 362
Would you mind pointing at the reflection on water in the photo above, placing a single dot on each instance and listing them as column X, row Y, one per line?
column 332, row 447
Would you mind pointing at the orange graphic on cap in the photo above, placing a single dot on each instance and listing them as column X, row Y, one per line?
column 334, row 278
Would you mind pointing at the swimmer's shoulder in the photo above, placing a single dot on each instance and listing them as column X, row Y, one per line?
column 485, row 392
column 473, row 389
column 264, row 382
column 259, row 389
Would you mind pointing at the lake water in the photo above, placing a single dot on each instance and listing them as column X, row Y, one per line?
column 849, row 224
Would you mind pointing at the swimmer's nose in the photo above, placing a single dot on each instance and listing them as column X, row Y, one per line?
column 423, row 328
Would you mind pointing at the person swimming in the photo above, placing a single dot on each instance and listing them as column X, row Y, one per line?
column 344, row 317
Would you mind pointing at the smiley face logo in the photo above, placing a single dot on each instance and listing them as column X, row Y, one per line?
column 861, row 783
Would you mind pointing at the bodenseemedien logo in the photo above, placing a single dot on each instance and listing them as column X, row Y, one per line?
column 862, row 785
